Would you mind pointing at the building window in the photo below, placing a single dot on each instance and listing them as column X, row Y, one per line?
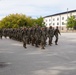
column 74, row 16
column 57, row 23
column 53, row 23
column 46, row 20
column 63, row 23
column 49, row 24
column 57, row 19
column 62, row 18
column 62, row 28
column 49, row 19
column 53, row 19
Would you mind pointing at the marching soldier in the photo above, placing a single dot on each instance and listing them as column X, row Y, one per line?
column 43, row 38
column 56, row 32
column 1, row 33
column 24, row 37
column 32, row 36
column 37, row 35
column 50, row 34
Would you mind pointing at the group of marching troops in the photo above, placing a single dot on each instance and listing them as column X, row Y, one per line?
column 36, row 36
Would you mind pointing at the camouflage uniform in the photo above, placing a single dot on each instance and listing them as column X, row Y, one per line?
column 1, row 33
column 32, row 36
column 43, row 38
column 37, row 36
column 24, row 38
column 50, row 34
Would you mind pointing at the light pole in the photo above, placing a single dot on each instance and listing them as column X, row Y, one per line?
column 67, row 13
column 60, row 22
column 67, row 16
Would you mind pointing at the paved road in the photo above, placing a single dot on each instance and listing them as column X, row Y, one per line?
column 54, row 60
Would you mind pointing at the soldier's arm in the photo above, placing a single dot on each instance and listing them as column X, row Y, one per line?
column 59, row 32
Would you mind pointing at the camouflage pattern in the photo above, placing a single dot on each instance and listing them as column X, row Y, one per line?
column 50, row 35
column 43, row 38
column 36, row 36
column 1, row 33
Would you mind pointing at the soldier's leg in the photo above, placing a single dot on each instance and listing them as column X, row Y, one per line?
column 49, row 40
column 0, row 36
column 27, row 40
column 56, row 41
column 36, row 43
column 32, row 41
column 42, row 45
column 24, row 43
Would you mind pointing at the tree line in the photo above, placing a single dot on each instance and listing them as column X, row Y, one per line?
column 20, row 20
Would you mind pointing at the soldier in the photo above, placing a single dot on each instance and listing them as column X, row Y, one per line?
column 46, row 33
column 37, row 35
column 24, row 38
column 56, row 32
column 28, row 35
column 50, row 34
column 1, row 33
column 32, row 36
column 43, row 38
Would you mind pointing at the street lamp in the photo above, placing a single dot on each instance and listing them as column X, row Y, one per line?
column 67, row 16
column 67, row 13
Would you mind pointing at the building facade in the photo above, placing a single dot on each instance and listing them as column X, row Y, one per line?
column 59, row 19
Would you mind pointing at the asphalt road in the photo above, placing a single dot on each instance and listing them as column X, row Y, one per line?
column 54, row 60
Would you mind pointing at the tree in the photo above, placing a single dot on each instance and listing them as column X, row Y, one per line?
column 19, row 20
column 71, row 22
column 13, row 21
column 39, row 21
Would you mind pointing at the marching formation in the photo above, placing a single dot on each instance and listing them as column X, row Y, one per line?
column 36, row 36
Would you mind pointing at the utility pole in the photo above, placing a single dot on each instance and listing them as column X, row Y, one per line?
column 67, row 16
column 67, row 13
column 60, row 23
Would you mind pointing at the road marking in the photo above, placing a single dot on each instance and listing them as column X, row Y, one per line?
column 17, row 44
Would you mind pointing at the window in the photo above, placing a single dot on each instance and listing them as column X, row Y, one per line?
column 62, row 28
column 53, row 23
column 63, row 23
column 49, row 24
column 57, row 23
column 62, row 18
column 57, row 19
column 49, row 19
column 53, row 19
column 74, row 16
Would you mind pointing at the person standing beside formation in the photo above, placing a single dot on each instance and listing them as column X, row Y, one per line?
column 56, row 33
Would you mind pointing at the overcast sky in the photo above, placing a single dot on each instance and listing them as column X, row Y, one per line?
column 35, row 8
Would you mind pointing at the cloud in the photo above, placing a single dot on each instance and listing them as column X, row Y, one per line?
column 35, row 8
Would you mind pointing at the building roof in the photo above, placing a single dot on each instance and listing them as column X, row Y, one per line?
column 60, row 13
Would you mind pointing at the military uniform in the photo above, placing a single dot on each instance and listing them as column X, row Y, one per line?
column 56, row 32
column 43, row 38
column 37, row 36
column 50, row 34
column 1, row 33
column 24, row 38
